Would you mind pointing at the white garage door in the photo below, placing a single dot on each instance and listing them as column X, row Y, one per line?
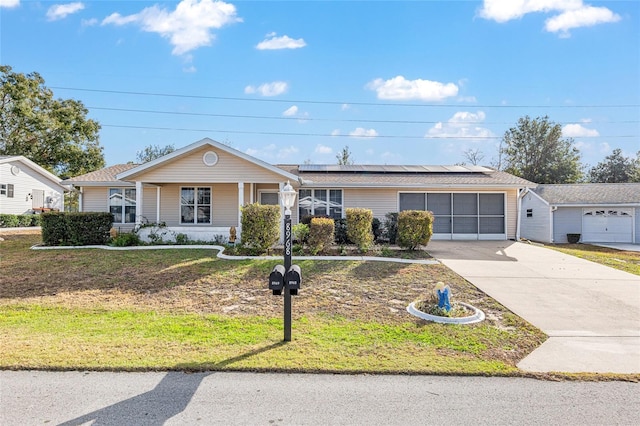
column 607, row 225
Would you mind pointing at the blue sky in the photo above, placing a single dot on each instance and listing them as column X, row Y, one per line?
column 414, row 82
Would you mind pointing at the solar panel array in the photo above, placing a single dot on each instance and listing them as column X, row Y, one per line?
column 383, row 168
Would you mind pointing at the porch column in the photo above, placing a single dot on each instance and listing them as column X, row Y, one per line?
column 157, row 204
column 240, row 204
column 138, row 204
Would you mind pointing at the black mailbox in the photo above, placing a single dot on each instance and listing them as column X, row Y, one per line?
column 276, row 279
column 293, row 278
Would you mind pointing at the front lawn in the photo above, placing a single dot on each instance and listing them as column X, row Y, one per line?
column 185, row 309
column 628, row 261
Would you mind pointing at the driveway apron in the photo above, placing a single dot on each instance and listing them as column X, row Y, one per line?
column 590, row 312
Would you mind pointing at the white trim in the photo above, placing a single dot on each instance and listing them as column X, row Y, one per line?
column 326, row 188
column 199, row 144
column 267, row 191
column 138, row 203
column 122, row 213
column 158, row 190
column 195, row 206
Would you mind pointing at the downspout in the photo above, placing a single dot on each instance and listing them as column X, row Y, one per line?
column 551, row 210
column 521, row 193
column 80, row 198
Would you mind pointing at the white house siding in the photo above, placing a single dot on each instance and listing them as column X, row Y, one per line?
column 23, row 184
column 191, row 168
column 566, row 220
column 379, row 201
column 537, row 227
column 637, row 225
column 94, row 199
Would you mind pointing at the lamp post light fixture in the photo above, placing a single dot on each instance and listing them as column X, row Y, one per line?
column 288, row 198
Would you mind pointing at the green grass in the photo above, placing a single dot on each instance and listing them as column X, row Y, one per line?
column 627, row 261
column 60, row 338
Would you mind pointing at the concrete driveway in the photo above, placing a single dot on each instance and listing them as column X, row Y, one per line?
column 590, row 312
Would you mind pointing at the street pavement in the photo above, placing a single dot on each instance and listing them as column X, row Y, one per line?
column 176, row 398
column 590, row 312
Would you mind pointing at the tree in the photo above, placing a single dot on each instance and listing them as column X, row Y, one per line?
column 535, row 150
column 54, row 133
column 473, row 156
column 344, row 158
column 151, row 152
column 636, row 173
column 616, row 168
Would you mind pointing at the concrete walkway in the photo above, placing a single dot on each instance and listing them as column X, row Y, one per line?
column 590, row 312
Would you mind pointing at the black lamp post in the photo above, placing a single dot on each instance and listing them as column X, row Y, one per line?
column 287, row 198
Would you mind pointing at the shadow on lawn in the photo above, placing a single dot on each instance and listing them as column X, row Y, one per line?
column 170, row 397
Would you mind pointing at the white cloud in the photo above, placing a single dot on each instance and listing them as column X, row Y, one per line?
column 345, row 107
column 268, row 89
column 273, row 42
column 188, row 27
column 287, row 152
column 578, row 131
column 290, row 112
column 322, row 149
column 586, row 16
column 89, row 22
column 61, row 11
column 572, row 13
column 391, row 157
column 586, row 120
column 189, row 69
column 469, row 99
column 462, row 124
column 605, row 148
column 399, row 88
column 9, row 3
column 335, row 132
column 361, row 132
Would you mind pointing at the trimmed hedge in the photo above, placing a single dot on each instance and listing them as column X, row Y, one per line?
column 391, row 227
column 19, row 220
column 359, row 227
column 76, row 229
column 415, row 228
column 320, row 234
column 260, row 227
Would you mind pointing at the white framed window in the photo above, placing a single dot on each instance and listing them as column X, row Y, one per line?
column 122, row 204
column 269, row 198
column 318, row 202
column 195, row 205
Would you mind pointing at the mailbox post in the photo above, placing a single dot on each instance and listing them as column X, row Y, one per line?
column 287, row 198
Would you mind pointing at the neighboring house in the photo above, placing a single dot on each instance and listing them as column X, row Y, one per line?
column 27, row 188
column 599, row 212
column 198, row 190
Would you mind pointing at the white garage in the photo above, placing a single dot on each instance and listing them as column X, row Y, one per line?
column 597, row 212
column 607, row 225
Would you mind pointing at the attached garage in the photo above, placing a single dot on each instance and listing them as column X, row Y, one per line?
column 607, row 225
column 598, row 212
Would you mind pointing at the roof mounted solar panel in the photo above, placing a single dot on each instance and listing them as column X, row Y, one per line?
column 386, row 168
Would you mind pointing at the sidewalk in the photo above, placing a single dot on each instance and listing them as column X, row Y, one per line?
column 590, row 312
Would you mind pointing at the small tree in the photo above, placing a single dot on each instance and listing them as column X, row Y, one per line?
column 344, row 157
column 260, row 227
column 415, row 228
column 359, row 228
column 152, row 152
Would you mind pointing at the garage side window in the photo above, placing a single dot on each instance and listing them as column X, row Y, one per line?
column 195, row 205
column 122, row 204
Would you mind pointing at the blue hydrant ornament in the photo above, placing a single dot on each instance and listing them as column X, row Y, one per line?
column 443, row 292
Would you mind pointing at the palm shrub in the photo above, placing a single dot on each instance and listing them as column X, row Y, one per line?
column 415, row 228
column 320, row 234
column 359, row 229
column 260, row 227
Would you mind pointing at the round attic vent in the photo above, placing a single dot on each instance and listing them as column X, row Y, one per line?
column 15, row 170
column 210, row 158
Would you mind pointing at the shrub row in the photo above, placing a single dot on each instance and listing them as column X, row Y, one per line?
column 415, row 228
column 359, row 228
column 76, row 229
column 19, row 220
column 260, row 227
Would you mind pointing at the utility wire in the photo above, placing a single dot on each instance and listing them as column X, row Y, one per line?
column 303, row 101
column 299, row 118
column 248, row 132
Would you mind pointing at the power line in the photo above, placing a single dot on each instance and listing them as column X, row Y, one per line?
column 271, row 117
column 304, row 101
column 250, row 132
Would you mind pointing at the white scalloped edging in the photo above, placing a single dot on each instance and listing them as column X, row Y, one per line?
column 477, row 316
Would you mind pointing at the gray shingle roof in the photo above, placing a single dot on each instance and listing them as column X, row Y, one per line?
column 590, row 193
column 108, row 174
